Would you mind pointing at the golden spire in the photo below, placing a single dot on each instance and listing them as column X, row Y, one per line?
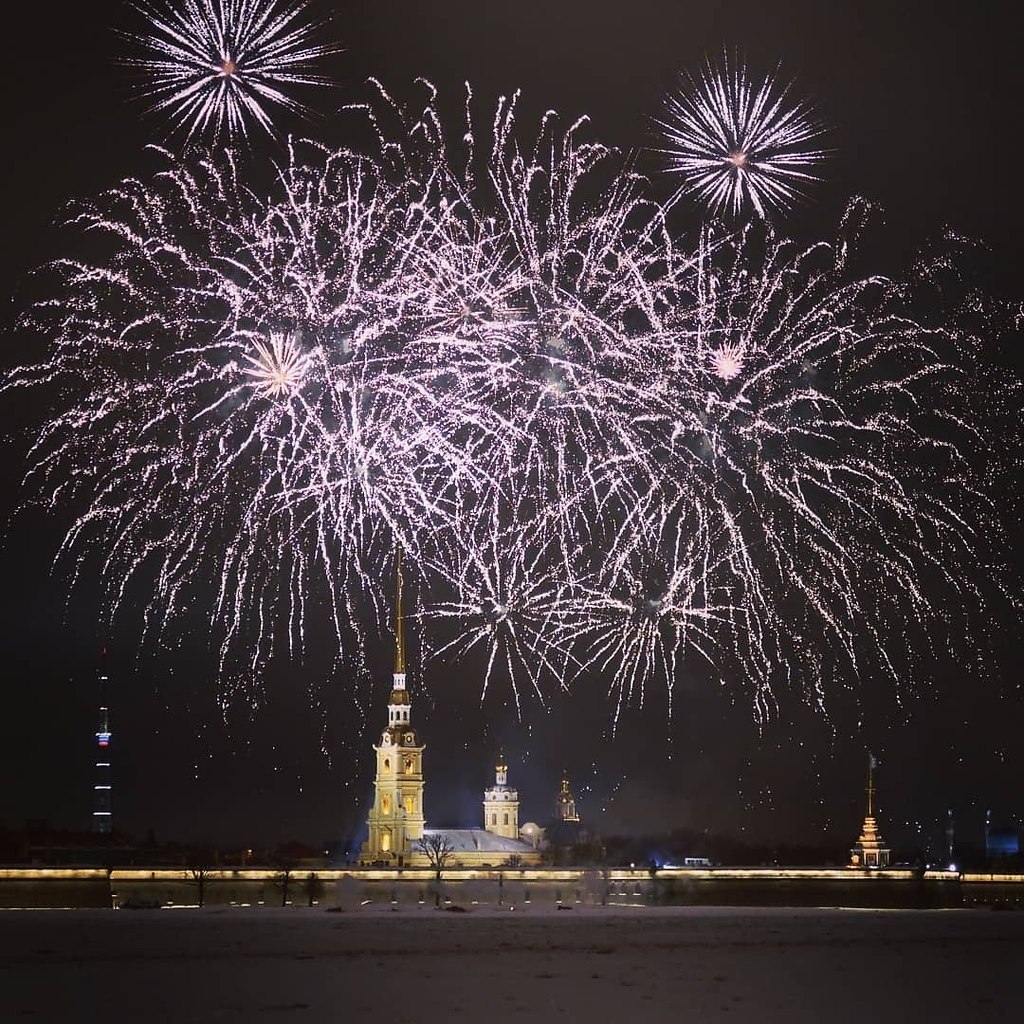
column 399, row 626
column 868, row 852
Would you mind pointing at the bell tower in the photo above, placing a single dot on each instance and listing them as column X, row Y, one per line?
column 395, row 824
column 501, row 804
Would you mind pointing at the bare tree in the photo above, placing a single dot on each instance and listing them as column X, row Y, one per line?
column 438, row 849
column 282, row 882
column 285, row 864
column 313, row 887
column 199, row 874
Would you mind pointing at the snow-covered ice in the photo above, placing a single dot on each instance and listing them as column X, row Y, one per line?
column 651, row 964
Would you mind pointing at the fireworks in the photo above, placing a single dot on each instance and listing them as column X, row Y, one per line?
column 727, row 361
column 739, row 143
column 217, row 66
column 278, row 366
column 608, row 453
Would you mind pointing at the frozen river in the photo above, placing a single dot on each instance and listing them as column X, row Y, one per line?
column 586, row 964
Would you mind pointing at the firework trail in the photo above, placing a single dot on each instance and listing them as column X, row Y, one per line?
column 218, row 66
column 509, row 589
column 647, row 604
column 739, row 143
column 605, row 451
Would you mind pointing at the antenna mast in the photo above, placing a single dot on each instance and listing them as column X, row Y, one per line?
column 102, row 815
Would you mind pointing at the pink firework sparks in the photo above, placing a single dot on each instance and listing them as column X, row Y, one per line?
column 727, row 361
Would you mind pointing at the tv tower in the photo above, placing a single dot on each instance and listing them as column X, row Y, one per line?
column 102, row 815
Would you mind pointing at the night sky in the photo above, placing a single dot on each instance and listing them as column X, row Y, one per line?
column 923, row 103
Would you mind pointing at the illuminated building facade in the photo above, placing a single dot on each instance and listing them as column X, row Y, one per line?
column 501, row 841
column 501, row 804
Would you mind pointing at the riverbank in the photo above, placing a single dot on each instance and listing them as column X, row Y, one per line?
column 350, row 888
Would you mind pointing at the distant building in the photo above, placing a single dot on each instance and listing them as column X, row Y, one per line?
column 565, row 831
column 868, row 852
column 565, row 805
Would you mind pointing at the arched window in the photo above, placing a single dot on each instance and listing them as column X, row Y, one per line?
column 385, row 804
column 494, row 819
column 506, row 817
column 385, row 840
column 387, row 764
column 408, row 766
column 410, row 804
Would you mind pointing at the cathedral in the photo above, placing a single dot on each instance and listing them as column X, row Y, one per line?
column 397, row 835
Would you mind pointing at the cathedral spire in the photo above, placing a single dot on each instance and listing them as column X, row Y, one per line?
column 395, row 824
column 399, row 627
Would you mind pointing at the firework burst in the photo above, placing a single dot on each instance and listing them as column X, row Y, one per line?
column 739, row 143
column 219, row 66
column 278, row 366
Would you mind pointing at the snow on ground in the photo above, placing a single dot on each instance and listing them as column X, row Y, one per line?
column 592, row 964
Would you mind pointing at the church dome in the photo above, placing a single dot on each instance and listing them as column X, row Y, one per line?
column 399, row 697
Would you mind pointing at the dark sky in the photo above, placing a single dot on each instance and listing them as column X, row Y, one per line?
column 923, row 100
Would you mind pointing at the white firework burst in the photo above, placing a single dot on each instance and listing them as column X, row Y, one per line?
column 277, row 367
column 727, row 361
column 217, row 66
column 740, row 143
